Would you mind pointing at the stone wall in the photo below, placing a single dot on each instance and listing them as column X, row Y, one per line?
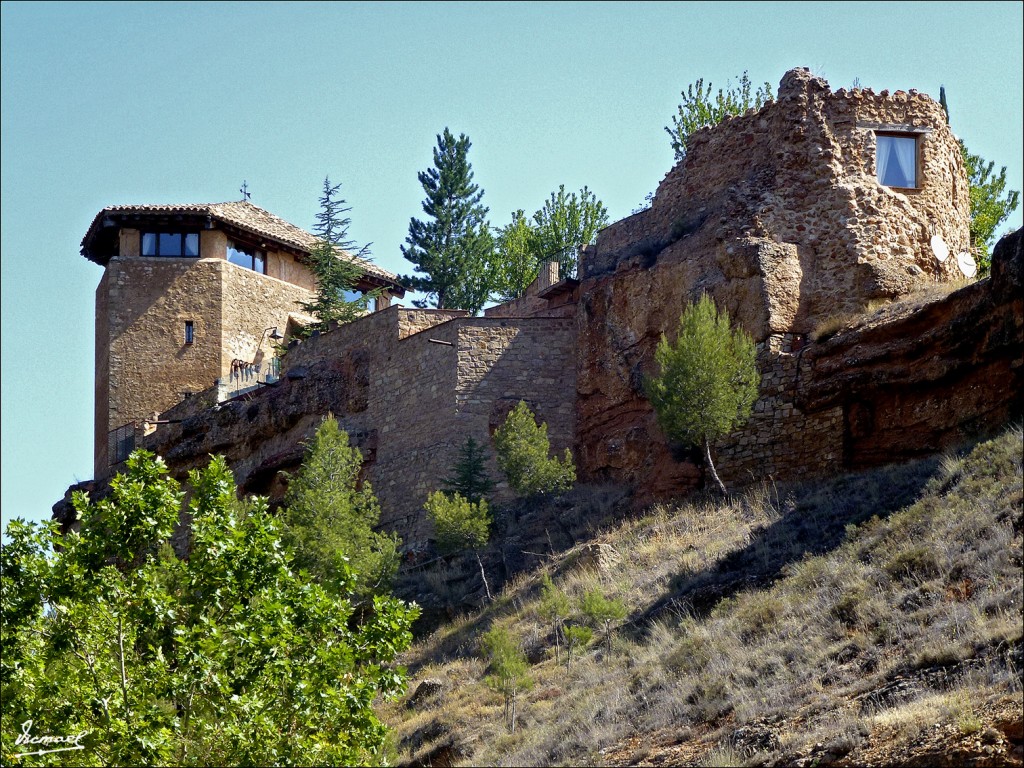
column 409, row 386
column 429, row 379
column 143, row 363
column 148, row 364
column 252, row 303
column 778, row 215
column 780, row 439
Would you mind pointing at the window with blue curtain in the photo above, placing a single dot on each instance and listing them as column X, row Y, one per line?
column 896, row 161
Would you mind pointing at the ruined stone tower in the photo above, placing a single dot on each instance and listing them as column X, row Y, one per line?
column 812, row 208
column 192, row 295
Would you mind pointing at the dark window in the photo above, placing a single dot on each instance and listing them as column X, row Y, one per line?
column 896, row 160
column 246, row 256
column 190, row 332
column 120, row 443
column 172, row 244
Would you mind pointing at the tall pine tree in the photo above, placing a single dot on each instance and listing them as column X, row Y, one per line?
column 333, row 261
column 452, row 248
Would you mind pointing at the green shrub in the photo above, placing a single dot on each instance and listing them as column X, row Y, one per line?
column 523, row 449
column 509, row 670
column 554, row 608
column 603, row 612
column 576, row 637
column 469, row 476
column 458, row 523
column 707, row 380
column 329, row 519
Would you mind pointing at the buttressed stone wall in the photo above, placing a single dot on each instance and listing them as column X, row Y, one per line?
column 409, row 386
column 779, row 216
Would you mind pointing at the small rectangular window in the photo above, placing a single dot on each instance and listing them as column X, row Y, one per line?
column 245, row 256
column 170, row 244
column 190, row 332
column 896, row 160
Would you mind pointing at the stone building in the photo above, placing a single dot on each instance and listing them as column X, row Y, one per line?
column 808, row 210
column 815, row 207
column 192, row 295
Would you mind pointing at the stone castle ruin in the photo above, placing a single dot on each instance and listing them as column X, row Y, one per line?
column 806, row 210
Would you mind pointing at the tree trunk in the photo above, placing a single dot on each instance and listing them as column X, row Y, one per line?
column 514, row 711
column 711, row 469
column 487, row 587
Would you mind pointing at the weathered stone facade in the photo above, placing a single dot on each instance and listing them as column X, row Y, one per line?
column 170, row 326
column 144, row 363
column 779, row 216
column 409, row 386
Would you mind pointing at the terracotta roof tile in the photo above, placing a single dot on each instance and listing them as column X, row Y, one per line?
column 241, row 214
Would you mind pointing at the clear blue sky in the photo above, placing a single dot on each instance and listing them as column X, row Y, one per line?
column 120, row 103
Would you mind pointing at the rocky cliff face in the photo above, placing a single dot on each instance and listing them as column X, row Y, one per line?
column 919, row 375
column 919, row 378
column 778, row 215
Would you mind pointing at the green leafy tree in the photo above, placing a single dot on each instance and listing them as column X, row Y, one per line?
column 329, row 519
column 452, row 249
column 522, row 447
column 517, row 259
column 576, row 637
column 554, row 608
column 707, row 380
column 460, row 524
column 566, row 222
column 699, row 109
column 334, row 261
column 224, row 658
column 509, row 670
column 991, row 203
column 469, row 477
column 603, row 612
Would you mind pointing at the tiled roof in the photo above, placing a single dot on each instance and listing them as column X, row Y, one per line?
column 241, row 214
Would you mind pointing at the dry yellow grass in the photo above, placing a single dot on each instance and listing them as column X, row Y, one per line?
column 808, row 602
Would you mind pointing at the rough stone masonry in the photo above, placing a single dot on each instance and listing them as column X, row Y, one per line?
column 779, row 216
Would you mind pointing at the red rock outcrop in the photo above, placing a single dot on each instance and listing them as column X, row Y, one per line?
column 779, row 216
column 914, row 382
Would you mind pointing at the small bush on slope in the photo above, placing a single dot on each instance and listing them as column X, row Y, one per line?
column 842, row 612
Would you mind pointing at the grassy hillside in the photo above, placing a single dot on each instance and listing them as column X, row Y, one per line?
column 873, row 618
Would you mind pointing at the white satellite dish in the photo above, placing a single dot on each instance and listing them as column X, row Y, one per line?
column 966, row 263
column 939, row 248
